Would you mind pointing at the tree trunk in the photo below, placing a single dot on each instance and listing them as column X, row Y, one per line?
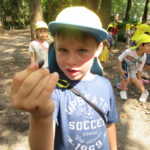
column 93, row 4
column 53, row 7
column 144, row 18
column 105, row 12
column 128, row 8
column 83, row 3
column 35, row 8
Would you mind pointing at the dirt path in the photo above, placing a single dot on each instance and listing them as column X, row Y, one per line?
column 133, row 128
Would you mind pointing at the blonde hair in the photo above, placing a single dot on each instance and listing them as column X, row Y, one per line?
column 76, row 33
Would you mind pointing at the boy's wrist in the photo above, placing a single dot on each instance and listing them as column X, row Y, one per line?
column 39, row 119
column 43, row 111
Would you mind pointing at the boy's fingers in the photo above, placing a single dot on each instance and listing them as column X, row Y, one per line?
column 21, row 76
column 48, row 89
column 31, row 81
column 40, row 96
column 38, row 88
column 52, row 82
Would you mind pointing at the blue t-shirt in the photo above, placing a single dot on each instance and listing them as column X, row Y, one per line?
column 78, row 126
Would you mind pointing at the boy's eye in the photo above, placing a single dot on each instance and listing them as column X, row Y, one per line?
column 83, row 50
column 62, row 50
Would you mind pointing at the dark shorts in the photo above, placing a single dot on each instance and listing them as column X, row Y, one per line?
column 147, row 60
column 125, row 68
column 130, row 69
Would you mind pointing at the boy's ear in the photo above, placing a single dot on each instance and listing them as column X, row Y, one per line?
column 99, row 49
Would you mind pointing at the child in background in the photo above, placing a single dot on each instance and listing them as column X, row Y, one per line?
column 131, row 63
column 72, row 124
column 115, row 33
column 128, row 34
column 132, row 31
column 39, row 47
column 104, row 56
column 140, row 29
column 110, row 39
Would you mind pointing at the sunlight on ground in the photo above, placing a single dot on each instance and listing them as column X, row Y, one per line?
column 115, row 50
column 21, row 139
column 7, row 58
column 9, row 50
column 134, row 124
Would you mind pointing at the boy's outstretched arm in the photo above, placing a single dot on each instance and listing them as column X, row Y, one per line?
column 111, row 131
column 30, row 91
column 41, row 133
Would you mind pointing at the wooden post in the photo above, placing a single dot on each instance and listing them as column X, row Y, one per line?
column 9, row 20
column 1, row 28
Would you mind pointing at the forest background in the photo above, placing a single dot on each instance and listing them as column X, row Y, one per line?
column 17, row 17
column 20, row 14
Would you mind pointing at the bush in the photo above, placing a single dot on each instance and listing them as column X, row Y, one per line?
column 121, row 35
column 121, row 29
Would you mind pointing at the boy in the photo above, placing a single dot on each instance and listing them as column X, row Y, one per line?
column 74, row 123
column 131, row 63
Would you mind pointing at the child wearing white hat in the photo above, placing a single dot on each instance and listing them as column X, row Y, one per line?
column 62, row 119
column 39, row 47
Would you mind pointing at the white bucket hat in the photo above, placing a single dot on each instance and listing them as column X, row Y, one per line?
column 79, row 18
column 41, row 24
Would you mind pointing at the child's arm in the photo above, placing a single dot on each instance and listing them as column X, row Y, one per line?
column 112, row 138
column 33, row 58
column 30, row 91
column 120, row 68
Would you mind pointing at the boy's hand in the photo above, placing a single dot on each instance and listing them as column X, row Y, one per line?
column 31, row 90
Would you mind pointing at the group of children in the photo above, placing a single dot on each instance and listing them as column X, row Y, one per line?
column 60, row 118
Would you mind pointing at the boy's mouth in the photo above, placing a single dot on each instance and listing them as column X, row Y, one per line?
column 72, row 71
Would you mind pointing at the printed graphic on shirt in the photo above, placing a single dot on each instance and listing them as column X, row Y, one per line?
column 132, row 60
column 90, row 130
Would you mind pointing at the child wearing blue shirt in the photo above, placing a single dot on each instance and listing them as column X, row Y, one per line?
column 60, row 119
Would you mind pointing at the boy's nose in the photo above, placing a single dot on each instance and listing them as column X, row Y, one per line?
column 72, row 59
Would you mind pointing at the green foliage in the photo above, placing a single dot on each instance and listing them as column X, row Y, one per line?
column 121, row 35
column 119, row 7
column 121, row 29
column 18, row 10
column 137, row 9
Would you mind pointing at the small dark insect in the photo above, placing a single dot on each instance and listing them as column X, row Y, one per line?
column 41, row 63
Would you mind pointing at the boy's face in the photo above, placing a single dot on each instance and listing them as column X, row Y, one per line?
column 75, row 56
column 42, row 33
column 146, row 48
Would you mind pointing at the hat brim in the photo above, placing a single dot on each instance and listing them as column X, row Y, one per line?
column 133, row 47
column 99, row 34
